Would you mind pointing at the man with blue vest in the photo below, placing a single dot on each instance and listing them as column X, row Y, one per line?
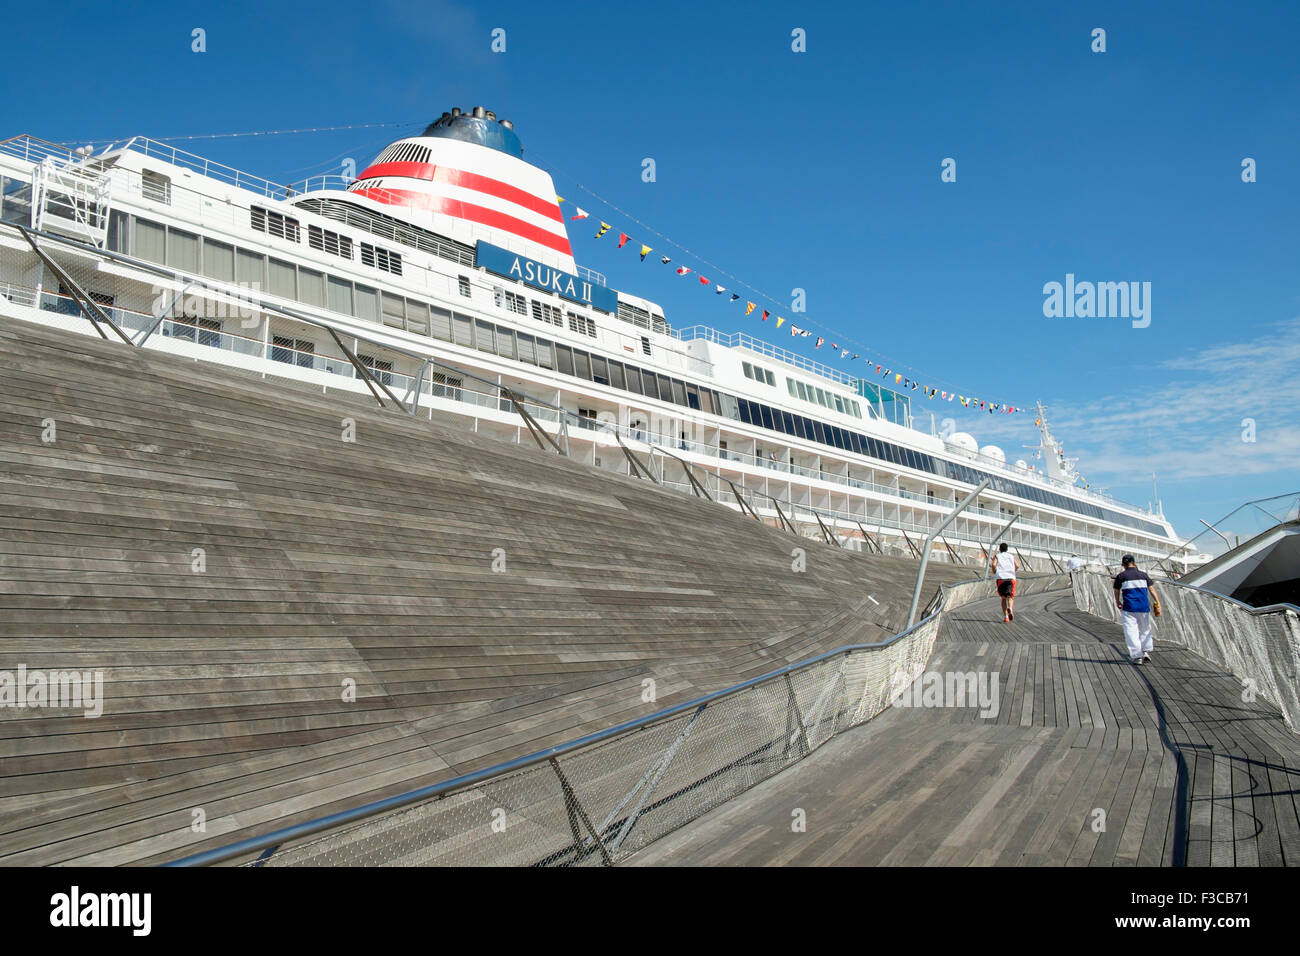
column 1135, row 596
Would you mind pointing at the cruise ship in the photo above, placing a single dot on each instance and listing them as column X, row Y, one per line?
column 442, row 282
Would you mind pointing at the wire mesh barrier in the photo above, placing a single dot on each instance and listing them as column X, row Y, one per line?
column 596, row 800
column 1256, row 645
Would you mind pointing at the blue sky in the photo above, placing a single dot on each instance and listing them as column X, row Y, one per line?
column 821, row 170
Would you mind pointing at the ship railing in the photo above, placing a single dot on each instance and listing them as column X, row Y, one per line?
column 597, row 799
column 485, row 394
column 415, row 385
column 33, row 150
column 759, row 347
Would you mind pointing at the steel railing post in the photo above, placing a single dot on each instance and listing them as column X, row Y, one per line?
column 925, row 554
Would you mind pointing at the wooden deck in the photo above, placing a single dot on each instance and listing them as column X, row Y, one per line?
column 327, row 561
column 1183, row 769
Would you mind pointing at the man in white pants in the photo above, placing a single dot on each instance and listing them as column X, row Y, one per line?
column 1135, row 596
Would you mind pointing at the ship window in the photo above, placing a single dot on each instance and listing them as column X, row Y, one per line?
column 787, row 423
column 665, row 388
column 250, row 270
column 616, row 375
column 283, row 278
column 183, row 250
column 156, row 186
column 564, row 359
column 367, row 303
column 744, row 412
column 194, row 329
column 767, row 416
column 445, row 386
column 506, row 342
column 340, row 295
column 527, row 352
column 441, row 322
column 581, row 364
column 462, row 283
column 839, row 404
column 293, row 351
column 379, row 258
column 545, row 357
column 679, row 392
column 645, row 345
column 274, row 223
column 311, row 287
column 582, row 324
column 394, row 311
column 512, row 302
column 789, row 383
column 483, row 337
column 382, row 368
column 599, row 370
column 464, row 327
column 692, row 396
column 329, row 242
column 706, row 401
column 218, row 260
column 547, row 313
column 417, row 317
column 119, row 223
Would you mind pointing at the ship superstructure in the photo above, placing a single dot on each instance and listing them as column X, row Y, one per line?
column 445, row 270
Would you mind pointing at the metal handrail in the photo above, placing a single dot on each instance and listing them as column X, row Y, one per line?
column 448, row 787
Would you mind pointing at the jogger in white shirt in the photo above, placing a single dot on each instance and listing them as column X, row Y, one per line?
column 1004, row 567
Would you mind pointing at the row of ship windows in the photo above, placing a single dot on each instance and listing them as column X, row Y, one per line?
column 808, row 393
column 199, row 255
column 519, row 346
column 323, row 240
column 167, row 245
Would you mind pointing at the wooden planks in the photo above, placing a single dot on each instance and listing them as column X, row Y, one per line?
column 324, row 562
column 1089, row 761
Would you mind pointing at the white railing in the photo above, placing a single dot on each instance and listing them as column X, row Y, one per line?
column 476, row 396
column 758, row 346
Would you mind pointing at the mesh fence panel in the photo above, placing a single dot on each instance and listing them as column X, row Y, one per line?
column 601, row 802
column 1259, row 646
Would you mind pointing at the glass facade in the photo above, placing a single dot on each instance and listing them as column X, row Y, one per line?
column 890, row 405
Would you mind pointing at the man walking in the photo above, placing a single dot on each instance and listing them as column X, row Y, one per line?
column 1135, row 596
column 1004, row 567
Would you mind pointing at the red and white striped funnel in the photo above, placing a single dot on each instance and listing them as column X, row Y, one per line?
column 465, row 178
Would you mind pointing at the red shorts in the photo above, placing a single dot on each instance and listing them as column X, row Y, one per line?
column 1007, row 588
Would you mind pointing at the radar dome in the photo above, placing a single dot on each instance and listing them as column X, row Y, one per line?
column 994, row 452
column 961, row 443
column 1021, row 465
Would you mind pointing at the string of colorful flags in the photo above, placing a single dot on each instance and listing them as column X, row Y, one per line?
column 882, row 368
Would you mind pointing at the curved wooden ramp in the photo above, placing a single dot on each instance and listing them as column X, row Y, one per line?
column 1181, row 769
